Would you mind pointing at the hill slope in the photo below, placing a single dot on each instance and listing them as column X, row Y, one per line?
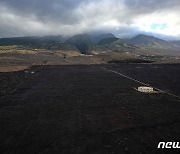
column 176, row 43
column 82, row 41
column 98, row 38
column 117, row 45
column 31, row 40
column 152, row 42
column 85, row 45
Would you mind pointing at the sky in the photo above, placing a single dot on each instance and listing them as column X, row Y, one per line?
column 123, row 18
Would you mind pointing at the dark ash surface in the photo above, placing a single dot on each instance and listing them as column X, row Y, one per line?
column 85, row 109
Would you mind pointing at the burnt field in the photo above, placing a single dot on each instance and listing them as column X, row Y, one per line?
column 87, row 109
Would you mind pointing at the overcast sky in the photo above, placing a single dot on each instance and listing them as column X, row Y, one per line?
column 124, row 18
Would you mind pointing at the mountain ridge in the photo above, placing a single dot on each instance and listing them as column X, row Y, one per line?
column 117, row 45
column 152, row 42
column 84, row 43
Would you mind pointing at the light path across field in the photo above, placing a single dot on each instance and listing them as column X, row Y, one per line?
column 145, row 84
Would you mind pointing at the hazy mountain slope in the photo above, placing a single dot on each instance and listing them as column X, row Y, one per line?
column 59, row 46
column 31, row 40
column 152, row 42
column 82, row 41
column 98, row 38
column 176, row 42
column 117, row 45
column 84, row 44
column 96, row 49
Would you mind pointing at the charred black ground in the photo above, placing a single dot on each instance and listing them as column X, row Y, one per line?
column 86, row 109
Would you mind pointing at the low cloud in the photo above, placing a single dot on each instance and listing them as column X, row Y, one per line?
column 124, row 18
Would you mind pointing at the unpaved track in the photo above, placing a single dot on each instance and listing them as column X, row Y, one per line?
column 142, row 83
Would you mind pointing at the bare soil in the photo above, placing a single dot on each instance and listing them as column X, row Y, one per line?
column 86, row 109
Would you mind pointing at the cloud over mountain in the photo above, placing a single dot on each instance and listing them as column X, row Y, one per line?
column 124, row 18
